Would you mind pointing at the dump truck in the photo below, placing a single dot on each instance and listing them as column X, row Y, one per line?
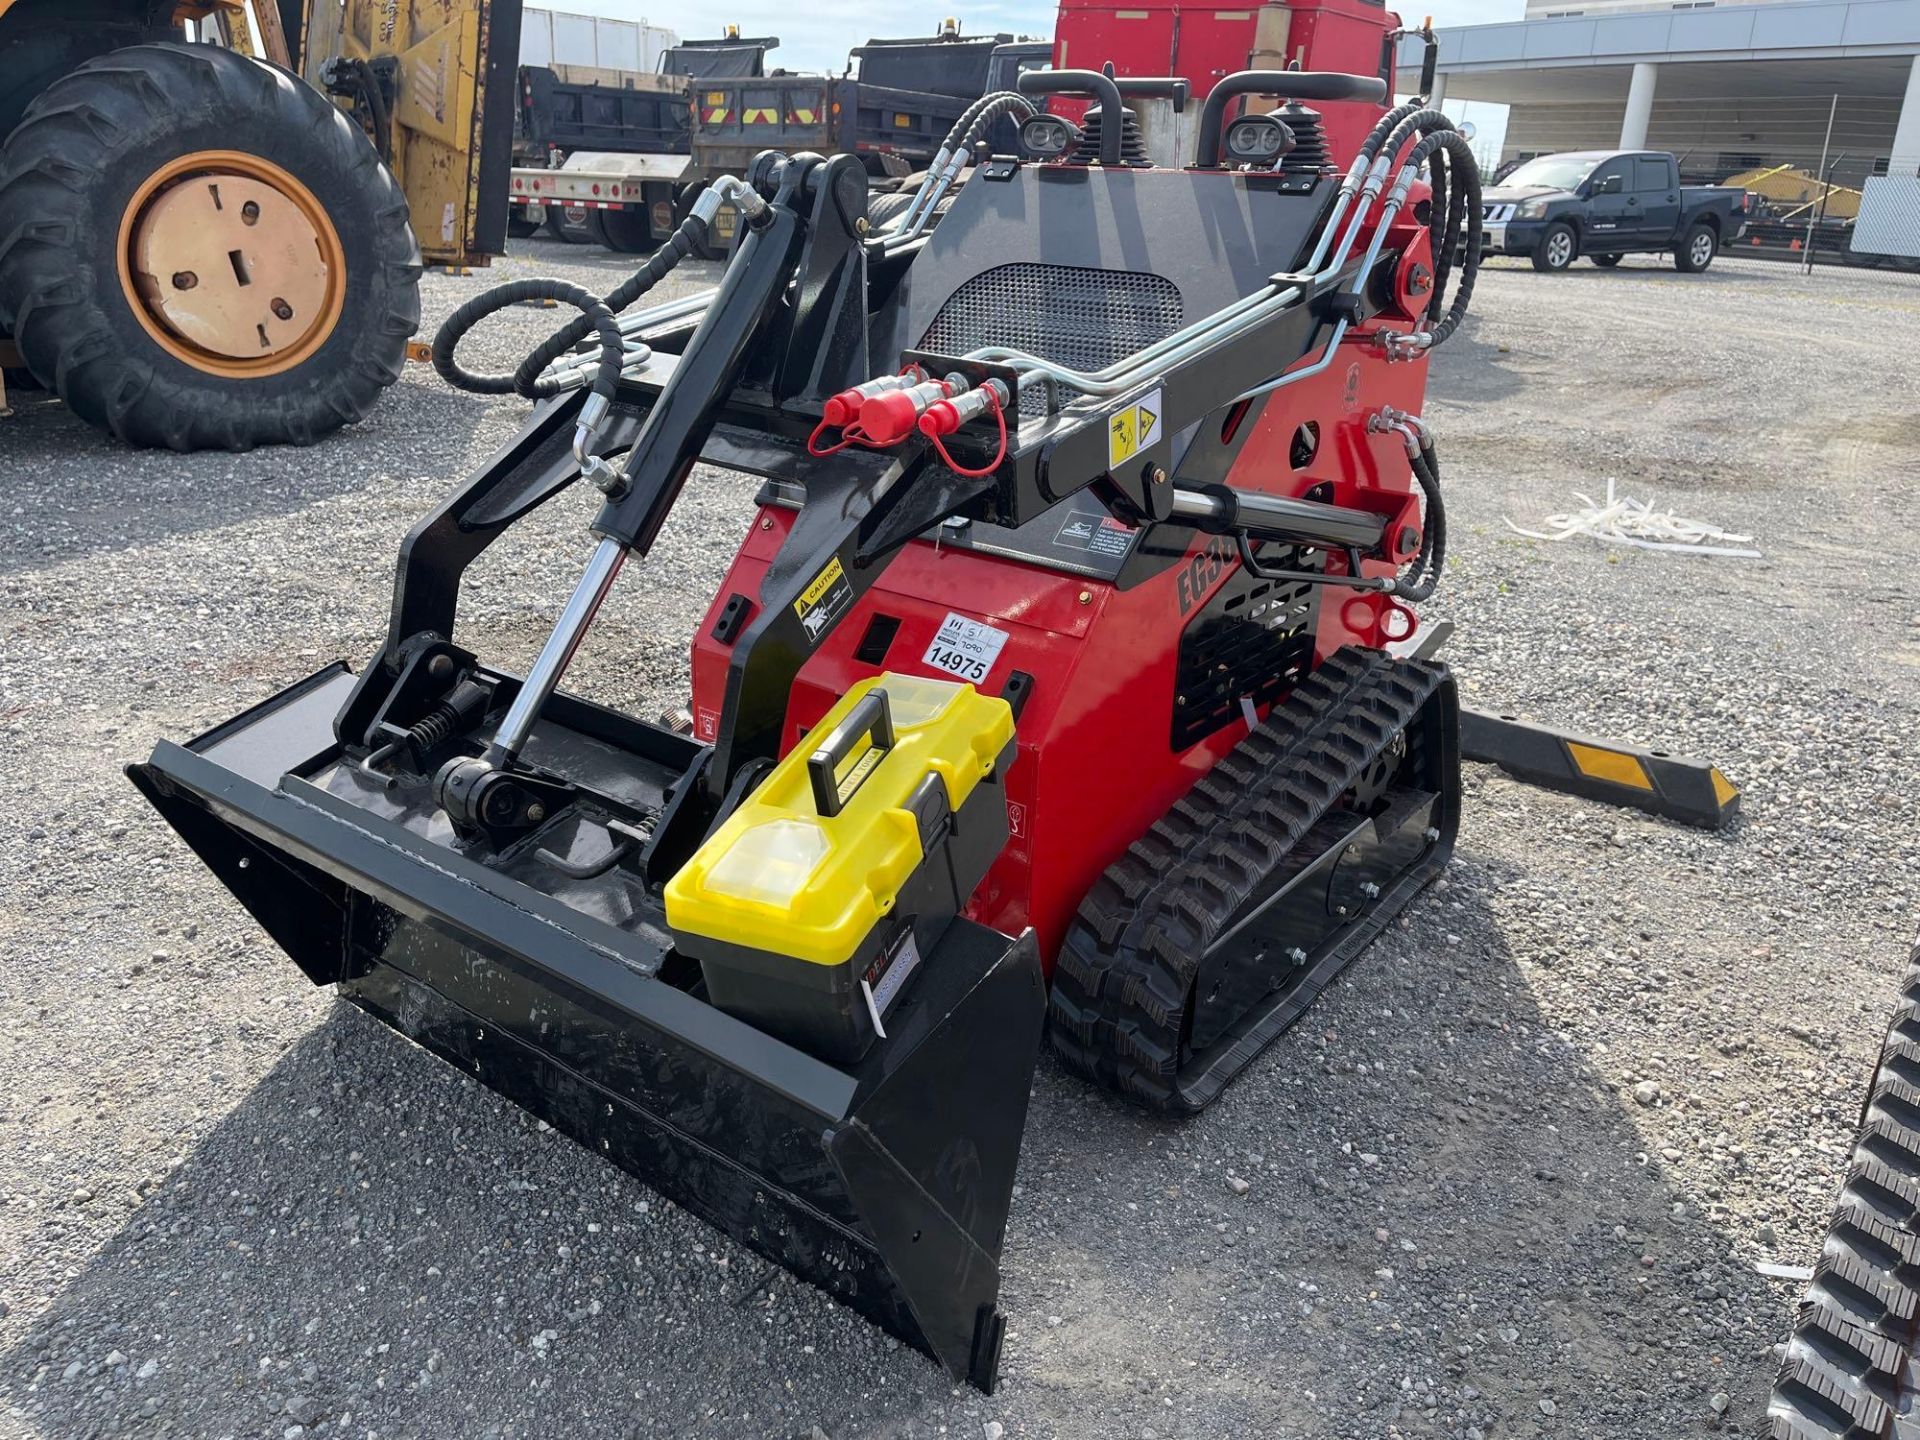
column 892, row 108
column 202, row 248
column 605, row 158
column 898, row 99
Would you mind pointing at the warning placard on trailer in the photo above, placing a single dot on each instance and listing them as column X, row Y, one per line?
column 1133, row 428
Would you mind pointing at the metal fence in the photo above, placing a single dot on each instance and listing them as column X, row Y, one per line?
column 1850, row 209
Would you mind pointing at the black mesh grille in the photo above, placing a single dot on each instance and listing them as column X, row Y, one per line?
column 1254, row 638
column 1081, row 318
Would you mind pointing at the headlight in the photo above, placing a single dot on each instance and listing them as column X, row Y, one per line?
column 1257, row 140
column 1048, row 136
column 1531, row 210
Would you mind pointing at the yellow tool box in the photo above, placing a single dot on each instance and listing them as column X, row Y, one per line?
column 809, row 908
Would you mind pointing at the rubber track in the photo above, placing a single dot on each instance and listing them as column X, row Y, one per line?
column 1126, row 968
column 1845, row 1371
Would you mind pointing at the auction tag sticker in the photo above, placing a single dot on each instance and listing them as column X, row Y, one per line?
column 964, row 649
column 887, row 974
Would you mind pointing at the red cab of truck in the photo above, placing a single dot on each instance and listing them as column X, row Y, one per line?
column 1202, row 43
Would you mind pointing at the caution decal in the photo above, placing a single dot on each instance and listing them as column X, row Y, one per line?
column 826, row 595
column 1133, row 428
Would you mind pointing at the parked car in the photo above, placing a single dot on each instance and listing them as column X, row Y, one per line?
column 1604, row 204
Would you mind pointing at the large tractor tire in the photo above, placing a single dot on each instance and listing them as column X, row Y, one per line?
column 199, row 251
column 883, row 210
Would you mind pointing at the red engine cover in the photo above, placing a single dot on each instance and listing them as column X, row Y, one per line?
column 1096, row 762
column 1204, row 43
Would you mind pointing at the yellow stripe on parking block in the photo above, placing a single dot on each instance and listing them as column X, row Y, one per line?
column 1724, row 790
column 1609, row 765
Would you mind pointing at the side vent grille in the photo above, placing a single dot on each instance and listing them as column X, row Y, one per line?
column 1081, row 318
column 1254, row 638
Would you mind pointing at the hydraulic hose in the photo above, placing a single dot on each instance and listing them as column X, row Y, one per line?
column 1423, row 576
column 1377, row 136
column 1444, row 231
column 1422, row 121
column 687, row 236
column 952, row 155
column 595, row 315
column 1466, row 170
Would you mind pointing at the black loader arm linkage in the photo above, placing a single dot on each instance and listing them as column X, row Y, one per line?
column 787, row 327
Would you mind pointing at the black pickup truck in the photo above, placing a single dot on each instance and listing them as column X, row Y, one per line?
column 1607, row 203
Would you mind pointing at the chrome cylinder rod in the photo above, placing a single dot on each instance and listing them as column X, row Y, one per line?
column 568, row 631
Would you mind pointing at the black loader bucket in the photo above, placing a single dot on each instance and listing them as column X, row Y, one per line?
column 549, row 975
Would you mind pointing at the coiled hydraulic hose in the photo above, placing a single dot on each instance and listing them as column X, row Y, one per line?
column 687, row 237
column 597, row 314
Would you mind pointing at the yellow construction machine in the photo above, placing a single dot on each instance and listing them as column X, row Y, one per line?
column 214, row 213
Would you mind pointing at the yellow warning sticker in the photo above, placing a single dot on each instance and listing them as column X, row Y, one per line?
column 1133, row 428
column 826, row 595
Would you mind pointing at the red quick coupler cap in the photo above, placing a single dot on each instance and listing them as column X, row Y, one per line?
column 942, row 418
column 840, row 409
column 888, row 419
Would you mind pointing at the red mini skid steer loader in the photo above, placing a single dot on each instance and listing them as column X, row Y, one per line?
column 1094, row 495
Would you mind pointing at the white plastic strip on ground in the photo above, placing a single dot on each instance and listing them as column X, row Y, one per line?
column 1626, row 521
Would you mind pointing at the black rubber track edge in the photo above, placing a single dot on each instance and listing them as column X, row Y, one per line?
column 1120, row 987
column 1845, row 1372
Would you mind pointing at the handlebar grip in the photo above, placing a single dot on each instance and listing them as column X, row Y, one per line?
column 870, row 719
column 1155, row 87
column 1288, row 85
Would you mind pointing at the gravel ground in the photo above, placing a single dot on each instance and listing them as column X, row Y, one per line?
column 1510, row 1179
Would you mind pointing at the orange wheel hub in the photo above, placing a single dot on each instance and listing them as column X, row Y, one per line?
column 231, row 264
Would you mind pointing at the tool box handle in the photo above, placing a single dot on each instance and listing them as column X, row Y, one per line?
column 870, row 719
